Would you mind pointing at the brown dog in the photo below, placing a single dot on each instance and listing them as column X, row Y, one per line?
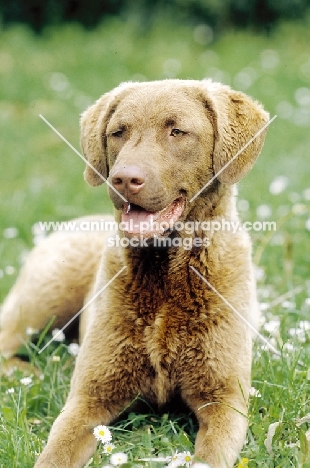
column 158, row 329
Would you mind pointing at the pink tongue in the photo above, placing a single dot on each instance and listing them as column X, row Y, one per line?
column 137, row 221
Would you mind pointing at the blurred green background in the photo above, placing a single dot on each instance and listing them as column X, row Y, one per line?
column 56, row 58
column 59, row 66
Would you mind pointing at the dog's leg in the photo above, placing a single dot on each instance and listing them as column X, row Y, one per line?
column 14, row 323
column 107, row 378
column 53, row 283
column 222, row 429
column 71, row 442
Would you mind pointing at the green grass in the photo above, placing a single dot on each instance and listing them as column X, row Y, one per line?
column 58, row 75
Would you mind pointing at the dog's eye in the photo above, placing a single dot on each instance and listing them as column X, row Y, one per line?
column 176, row 132
column 118, row 133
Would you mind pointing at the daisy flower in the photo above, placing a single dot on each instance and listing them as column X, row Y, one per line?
column 108, row 448
column 177, row 460
column 26, row 381
column 31, row 331
column 253, row 392
column 118, row 458
column 74, row 349
column 188, row 458
column 58, row 335
column 103, row 434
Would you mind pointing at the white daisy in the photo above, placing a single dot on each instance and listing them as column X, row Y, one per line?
column 188, row 458
column 278, row 185
column 173, row 464
column 118, row 458
column 58, row 335
column 26, row 381
column 103, row 434
column 253, row 392
column 108, row 448
column 31, row 331
column 177, row 460
column 10, row 233
column 304, row 325
column 289, row 347
column 272, row 326
column 74, row 349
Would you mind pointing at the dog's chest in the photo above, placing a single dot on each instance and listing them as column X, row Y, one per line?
column 166, row 315
column 168, row 319
column 158, row 278
column 172, row 343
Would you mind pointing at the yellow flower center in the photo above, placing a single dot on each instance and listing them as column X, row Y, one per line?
column 101, row 433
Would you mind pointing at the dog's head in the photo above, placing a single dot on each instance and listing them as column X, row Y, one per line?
column 160, row 143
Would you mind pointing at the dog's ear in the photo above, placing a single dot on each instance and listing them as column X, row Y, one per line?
column 93, row 127
column 238, row 121
column 93, row 123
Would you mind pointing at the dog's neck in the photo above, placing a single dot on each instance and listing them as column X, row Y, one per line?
column 157, row 273
column 217, row 200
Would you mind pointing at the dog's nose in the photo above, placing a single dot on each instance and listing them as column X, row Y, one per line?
column 128, row 179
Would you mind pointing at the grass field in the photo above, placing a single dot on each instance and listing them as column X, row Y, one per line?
column 58, row 75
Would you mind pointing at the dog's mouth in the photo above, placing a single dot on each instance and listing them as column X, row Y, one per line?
column 136, row 221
